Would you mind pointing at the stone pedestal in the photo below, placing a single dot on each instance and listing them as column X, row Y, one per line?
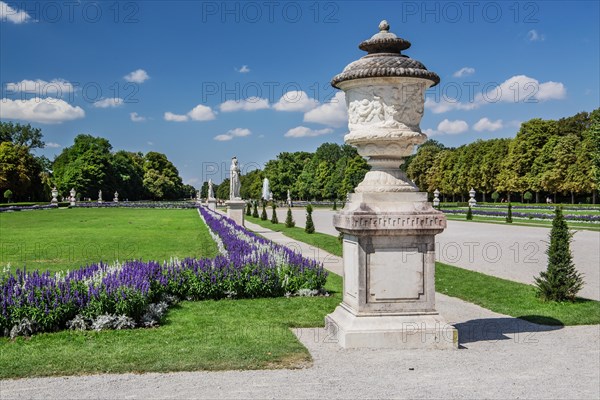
column 235, row 211
column 212, row 204
column 389, row 274
column 389, row 227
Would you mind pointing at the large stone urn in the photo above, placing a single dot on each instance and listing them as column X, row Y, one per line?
column 388, row 225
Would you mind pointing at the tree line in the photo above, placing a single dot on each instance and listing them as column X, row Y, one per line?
column 88, row 166
column 559, row 159
column 556, row 158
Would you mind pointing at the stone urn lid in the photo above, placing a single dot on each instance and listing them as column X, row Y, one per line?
column 385, row 59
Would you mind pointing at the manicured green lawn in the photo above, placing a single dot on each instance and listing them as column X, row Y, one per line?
column 203, row 335
column 512, row 298
column 499, row 295
column 69, row 238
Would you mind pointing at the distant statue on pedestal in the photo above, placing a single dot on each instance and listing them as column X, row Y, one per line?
column 265, row 190
column 234, row 180
column 99, row 196
column 211, row 193
column 116, row 199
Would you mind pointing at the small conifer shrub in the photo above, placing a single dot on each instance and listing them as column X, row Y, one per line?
column 509, row 214
column 310, row 226
column 560, row 281
column 274, row 219
column 289, row 220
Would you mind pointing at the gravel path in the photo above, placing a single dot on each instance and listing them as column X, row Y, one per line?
column 499, row 357
column 508, row 251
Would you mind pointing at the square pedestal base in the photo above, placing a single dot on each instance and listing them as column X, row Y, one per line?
column 212, row 204
column 235, row 211
column 418, row 331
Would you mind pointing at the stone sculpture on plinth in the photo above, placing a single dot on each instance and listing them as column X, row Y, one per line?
column 235, row 205
column 436, row 198
column 266, row 191
column 388, row 225
column 116, row 198
column 472, row 201
column 54, row 194
column 212, row 202
column 99, row 196
column 72, row 198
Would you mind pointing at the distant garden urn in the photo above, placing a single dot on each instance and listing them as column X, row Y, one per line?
column 388, row 226
column 72, row 198
column 472, row 201
column 54, row 193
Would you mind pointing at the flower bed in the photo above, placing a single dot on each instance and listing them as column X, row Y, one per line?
column 137, row 294
column 137, row 204
column 516, row 214
column 542, row 207
column 28, row 208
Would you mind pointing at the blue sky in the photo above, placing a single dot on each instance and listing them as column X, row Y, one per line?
column 202, row 81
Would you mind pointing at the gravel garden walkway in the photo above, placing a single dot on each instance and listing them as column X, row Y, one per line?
column 500, row 357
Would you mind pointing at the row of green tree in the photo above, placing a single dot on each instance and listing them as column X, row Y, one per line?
column 546, row 158
column 329, row 173
column 89, row 165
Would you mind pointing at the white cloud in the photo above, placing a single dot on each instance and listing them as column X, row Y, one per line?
column 249, row 104
column 137, row 76
column 484, row 124
column 551, row 91
column 448, row 104
column 333, row 113
column 47, row 111
column 465, row 71
column 237, row 132
column 109, row 103
column 523, row 89
column 201, row 113
column 169, row 116
column 243, row 70
column 53, row 145
column 302, row 131
column 295, row 100
column 7, row 13
column 452, row 127
column 534, row 36
column 135, row 117
column 56, row 87
column 198, row 113
column 516, row 89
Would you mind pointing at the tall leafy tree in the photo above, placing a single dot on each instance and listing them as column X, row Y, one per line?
column 422, row 162
column 85, row 166
column 21, row 135
column 516, row 175
column 161, row 178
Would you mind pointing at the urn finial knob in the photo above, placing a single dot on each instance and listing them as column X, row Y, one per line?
column 384, row 26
